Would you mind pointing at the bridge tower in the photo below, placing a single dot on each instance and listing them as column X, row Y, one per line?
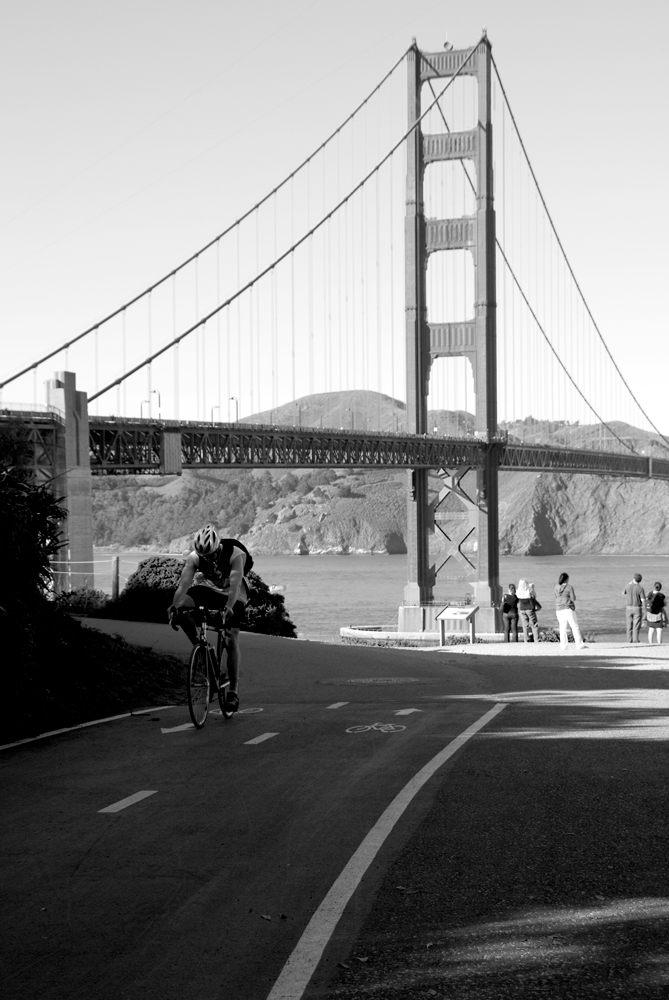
column 72, row 481
column 475, row 339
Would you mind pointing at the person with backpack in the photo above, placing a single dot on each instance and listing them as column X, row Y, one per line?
column 656, row 613
column 214, row 576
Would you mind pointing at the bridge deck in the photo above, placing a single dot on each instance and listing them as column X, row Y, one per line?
column 129, row 446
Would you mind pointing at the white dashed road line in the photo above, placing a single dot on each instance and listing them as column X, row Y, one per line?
column 178, row 729
column 261, row 739
column 298, row 970
column 339, row 704
column 408, row 711
column 124, row 803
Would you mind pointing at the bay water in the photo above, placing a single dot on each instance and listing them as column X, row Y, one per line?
column 324, row 593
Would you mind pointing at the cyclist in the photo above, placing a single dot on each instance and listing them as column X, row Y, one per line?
column 213, row 577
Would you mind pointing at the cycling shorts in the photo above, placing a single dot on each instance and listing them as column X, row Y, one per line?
column 205, row 597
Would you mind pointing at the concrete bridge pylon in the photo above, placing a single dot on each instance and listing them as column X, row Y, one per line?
column 72, row 481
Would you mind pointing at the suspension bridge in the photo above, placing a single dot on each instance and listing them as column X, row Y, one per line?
column 409, row 255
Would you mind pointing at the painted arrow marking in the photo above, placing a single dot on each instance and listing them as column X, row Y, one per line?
column 408, row 711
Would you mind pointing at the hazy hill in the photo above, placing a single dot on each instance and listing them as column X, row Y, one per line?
column 336, row 510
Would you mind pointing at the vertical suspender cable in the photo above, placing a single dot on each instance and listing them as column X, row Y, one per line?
column 198, row 369
column 97, row 371
column 238, row 338
column 218, row 327
column 292, row 286
column 176, row 346
column 379, row 346
column 310, row 284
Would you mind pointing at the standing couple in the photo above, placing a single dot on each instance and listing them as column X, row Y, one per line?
column 520, row 603
column 523, row 602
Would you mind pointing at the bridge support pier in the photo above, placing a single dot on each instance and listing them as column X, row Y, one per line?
column 474, row 338
column 72, row 482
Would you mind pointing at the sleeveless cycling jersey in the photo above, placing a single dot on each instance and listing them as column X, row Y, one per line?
column 214, row 570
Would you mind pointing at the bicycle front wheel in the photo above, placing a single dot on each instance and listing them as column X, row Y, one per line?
column 198, row 686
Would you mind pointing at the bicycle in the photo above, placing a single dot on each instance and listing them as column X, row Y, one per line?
column 204, row 680
column 381, row 727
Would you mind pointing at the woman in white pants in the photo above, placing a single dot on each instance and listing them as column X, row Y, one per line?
column 565, row 609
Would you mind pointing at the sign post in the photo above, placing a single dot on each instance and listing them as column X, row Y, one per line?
column 466, row 614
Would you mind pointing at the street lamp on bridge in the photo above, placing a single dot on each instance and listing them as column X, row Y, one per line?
column 155, row 392
column 233, row 399
column 216, row 407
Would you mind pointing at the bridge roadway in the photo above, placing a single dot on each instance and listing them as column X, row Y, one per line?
column 532, row 863
column 134, row 446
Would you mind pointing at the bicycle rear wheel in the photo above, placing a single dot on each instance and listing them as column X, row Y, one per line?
column 198, row 686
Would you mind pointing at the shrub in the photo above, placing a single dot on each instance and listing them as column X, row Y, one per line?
column 83, row 599
column 30, row 523
column 266, row 612
column 150, row 590
column 552, row 634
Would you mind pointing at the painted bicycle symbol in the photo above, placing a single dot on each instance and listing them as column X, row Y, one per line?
column 381, row 727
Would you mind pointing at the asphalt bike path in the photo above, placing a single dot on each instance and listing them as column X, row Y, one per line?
column 206, row 887
column 542, row 867
column 203, row 887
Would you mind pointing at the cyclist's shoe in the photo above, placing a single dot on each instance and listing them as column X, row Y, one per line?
column 223, row 680
column 232, row 702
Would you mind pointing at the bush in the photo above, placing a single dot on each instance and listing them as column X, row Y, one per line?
column 552, row 634
column 150, row 591
column 30, row 519
column 83, row 600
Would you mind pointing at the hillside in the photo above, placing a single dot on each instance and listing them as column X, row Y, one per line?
column 327, row 511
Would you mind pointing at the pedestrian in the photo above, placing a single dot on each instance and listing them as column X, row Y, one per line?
column 565, row 610
column 636, row 602
column 656, row 613
column 526, row 610
column 510, row 614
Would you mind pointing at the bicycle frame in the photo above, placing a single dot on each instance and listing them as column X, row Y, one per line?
column 204, row 680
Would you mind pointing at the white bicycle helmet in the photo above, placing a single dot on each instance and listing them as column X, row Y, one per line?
column 207, row 540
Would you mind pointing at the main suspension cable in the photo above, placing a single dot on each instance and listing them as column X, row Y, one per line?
column 298, row 243
column 207, row 246
column 517, row 282
column 566, row 259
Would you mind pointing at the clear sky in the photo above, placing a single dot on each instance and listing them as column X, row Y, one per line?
column 134, row 131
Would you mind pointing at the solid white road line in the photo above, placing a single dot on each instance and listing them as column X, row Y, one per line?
column 298, row 970
column 124, row 803
column 339, row 704
column 261, row 739
column 85, row 725
column 408, row 711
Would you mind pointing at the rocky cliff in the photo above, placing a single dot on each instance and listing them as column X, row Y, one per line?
column 321, row 511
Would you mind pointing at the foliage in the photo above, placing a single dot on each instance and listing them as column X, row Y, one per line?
column 70, row 674
column 83, row 600
column 150, row 590
column 156, row 573
column 551, row 634
column 266, row 612
column 127, row 511
column 15, row 447
column 30, row 521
